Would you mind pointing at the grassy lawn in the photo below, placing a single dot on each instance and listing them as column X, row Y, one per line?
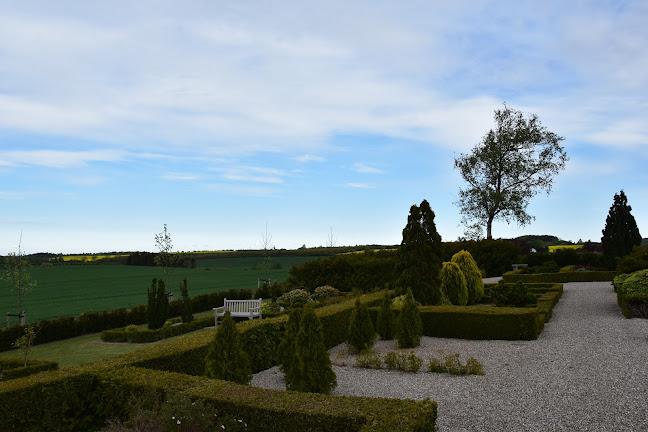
column 81, row 350
column 74, row 289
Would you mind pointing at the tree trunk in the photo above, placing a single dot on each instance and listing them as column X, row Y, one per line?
column 489, row 228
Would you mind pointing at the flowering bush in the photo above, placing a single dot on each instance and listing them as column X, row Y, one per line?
column 296, row 294
column 324, row 293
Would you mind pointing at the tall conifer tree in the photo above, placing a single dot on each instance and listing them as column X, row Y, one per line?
column 226, row 359
column 315, row 373
column 621, row 232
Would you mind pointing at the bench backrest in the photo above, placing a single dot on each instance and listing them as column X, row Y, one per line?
column 241, row 305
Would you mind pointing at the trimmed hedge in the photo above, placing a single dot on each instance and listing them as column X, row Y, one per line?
column 490, row 322
column 84, row 398
column 561, row 277
column 14, row 368
column 69, row 326
column 145, row 336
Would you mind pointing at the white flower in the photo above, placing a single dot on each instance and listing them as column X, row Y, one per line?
column 178, row 421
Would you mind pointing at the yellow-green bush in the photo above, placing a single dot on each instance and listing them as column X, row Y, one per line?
column 471, row 273
column 453, row 283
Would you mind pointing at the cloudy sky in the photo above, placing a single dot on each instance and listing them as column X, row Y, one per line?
column 315, row 119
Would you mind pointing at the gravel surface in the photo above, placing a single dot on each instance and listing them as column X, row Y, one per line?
column 588, row 371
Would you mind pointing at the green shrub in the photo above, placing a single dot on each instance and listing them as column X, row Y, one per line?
column 561, row 277
column 15, row 368
column 287, row 350
column 369, row 360
column 634, row 284
column 408, row 325
column 226, row 359
column 361, row 334
column 158, row 304
column 385, row 320
column 131, row 334
column 474, row 281
column 131, row 328
column 315, row 373
column 514, row 295
column 453, row 284
column 296, row 295
column 452, row 364
column 187, row 308
column 634, row 261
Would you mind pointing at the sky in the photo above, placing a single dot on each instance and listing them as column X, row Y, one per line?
column 302, row 122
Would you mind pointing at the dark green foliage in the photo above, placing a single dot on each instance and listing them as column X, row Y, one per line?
column 513, row 162
column 15, row 368
column 421, row 256
column 226, row 359
column 361, row 334
column 385, row 322
column 561, row 277
column 633, row 284
column 621, row 232
column 124, row 334
column 474, row 282
column 315, row 373
column 364, row 271
column 158, row 305
column 187, row 310
column 636, row 260
column 512, row 295
column 453, row 284
column 287, row 350
column 409, row 327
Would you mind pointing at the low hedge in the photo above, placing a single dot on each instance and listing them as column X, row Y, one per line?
column 15, row 368
column 481, row 322
column 561, row 277
column 145, row 336
column 67, row 327
column 83, row 398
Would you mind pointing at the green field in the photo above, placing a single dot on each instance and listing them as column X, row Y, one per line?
column 74, row 289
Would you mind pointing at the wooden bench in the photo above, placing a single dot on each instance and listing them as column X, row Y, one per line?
column 239, row 308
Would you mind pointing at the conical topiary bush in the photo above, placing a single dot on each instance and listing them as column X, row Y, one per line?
column 471, row 273
column 409, row 327
column 361, row 334
column 453, row 284
column 385, row 321
column 287, row 351
column 315, row 373
column 226, row 360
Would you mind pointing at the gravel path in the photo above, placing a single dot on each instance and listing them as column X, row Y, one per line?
column 588, row 371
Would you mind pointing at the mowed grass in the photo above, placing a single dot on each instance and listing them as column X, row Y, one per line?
column 74, row 289
column 82, row 350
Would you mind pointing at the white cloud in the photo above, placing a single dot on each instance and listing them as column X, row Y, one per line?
column 360, row 185
column 310, row 158
column 366, row 169
column 180, row 176
column 58, row 158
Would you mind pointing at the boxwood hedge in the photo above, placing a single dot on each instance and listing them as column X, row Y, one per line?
column 561, row 277
column 15, row 368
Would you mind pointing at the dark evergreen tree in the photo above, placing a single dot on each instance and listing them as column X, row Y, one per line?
column 226, row 359
column 187, row 309
column 621, row 232
column 151, row 310
column 163, row 303
column 421, row 256
column 409, row 327
column 158, row 304
column 385, row 321
column 361, row 334
column 287, row 351
column 315, row 373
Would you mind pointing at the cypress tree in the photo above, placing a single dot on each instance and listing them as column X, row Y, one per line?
column 187, row 309
column 471, row 273
column 226, row 359
column 162, row 304
column 385, row 320
column 453, row 284
column 621, row 232
column 315, row 373
column 420, row 255
column 361, row 334
column 287, row 351
column 151, row 310
column 409, row 327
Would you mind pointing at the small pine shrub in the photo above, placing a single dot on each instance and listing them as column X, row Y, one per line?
column 314, row 371
column 453, row 284
column 286, row 352
column 385, row 320
column 361, row 334
column 409, row 327
column 226, row 359
column 392, row 360
column 471, row 273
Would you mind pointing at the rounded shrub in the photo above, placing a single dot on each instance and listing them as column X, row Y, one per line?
column 314, row 371
column 385, row 320
column 324, row 293
column 361, row 334
column 226, row 359
column 296, row 295
column 471, row 273
column 634, row 284
column 409, row 327
column 453, row 284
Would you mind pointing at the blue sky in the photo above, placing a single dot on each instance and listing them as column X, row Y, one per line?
column 221, row 118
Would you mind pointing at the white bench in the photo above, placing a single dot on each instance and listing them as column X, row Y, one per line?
column 239, row 308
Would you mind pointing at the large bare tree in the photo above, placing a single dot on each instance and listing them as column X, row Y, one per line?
column 512, row 163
